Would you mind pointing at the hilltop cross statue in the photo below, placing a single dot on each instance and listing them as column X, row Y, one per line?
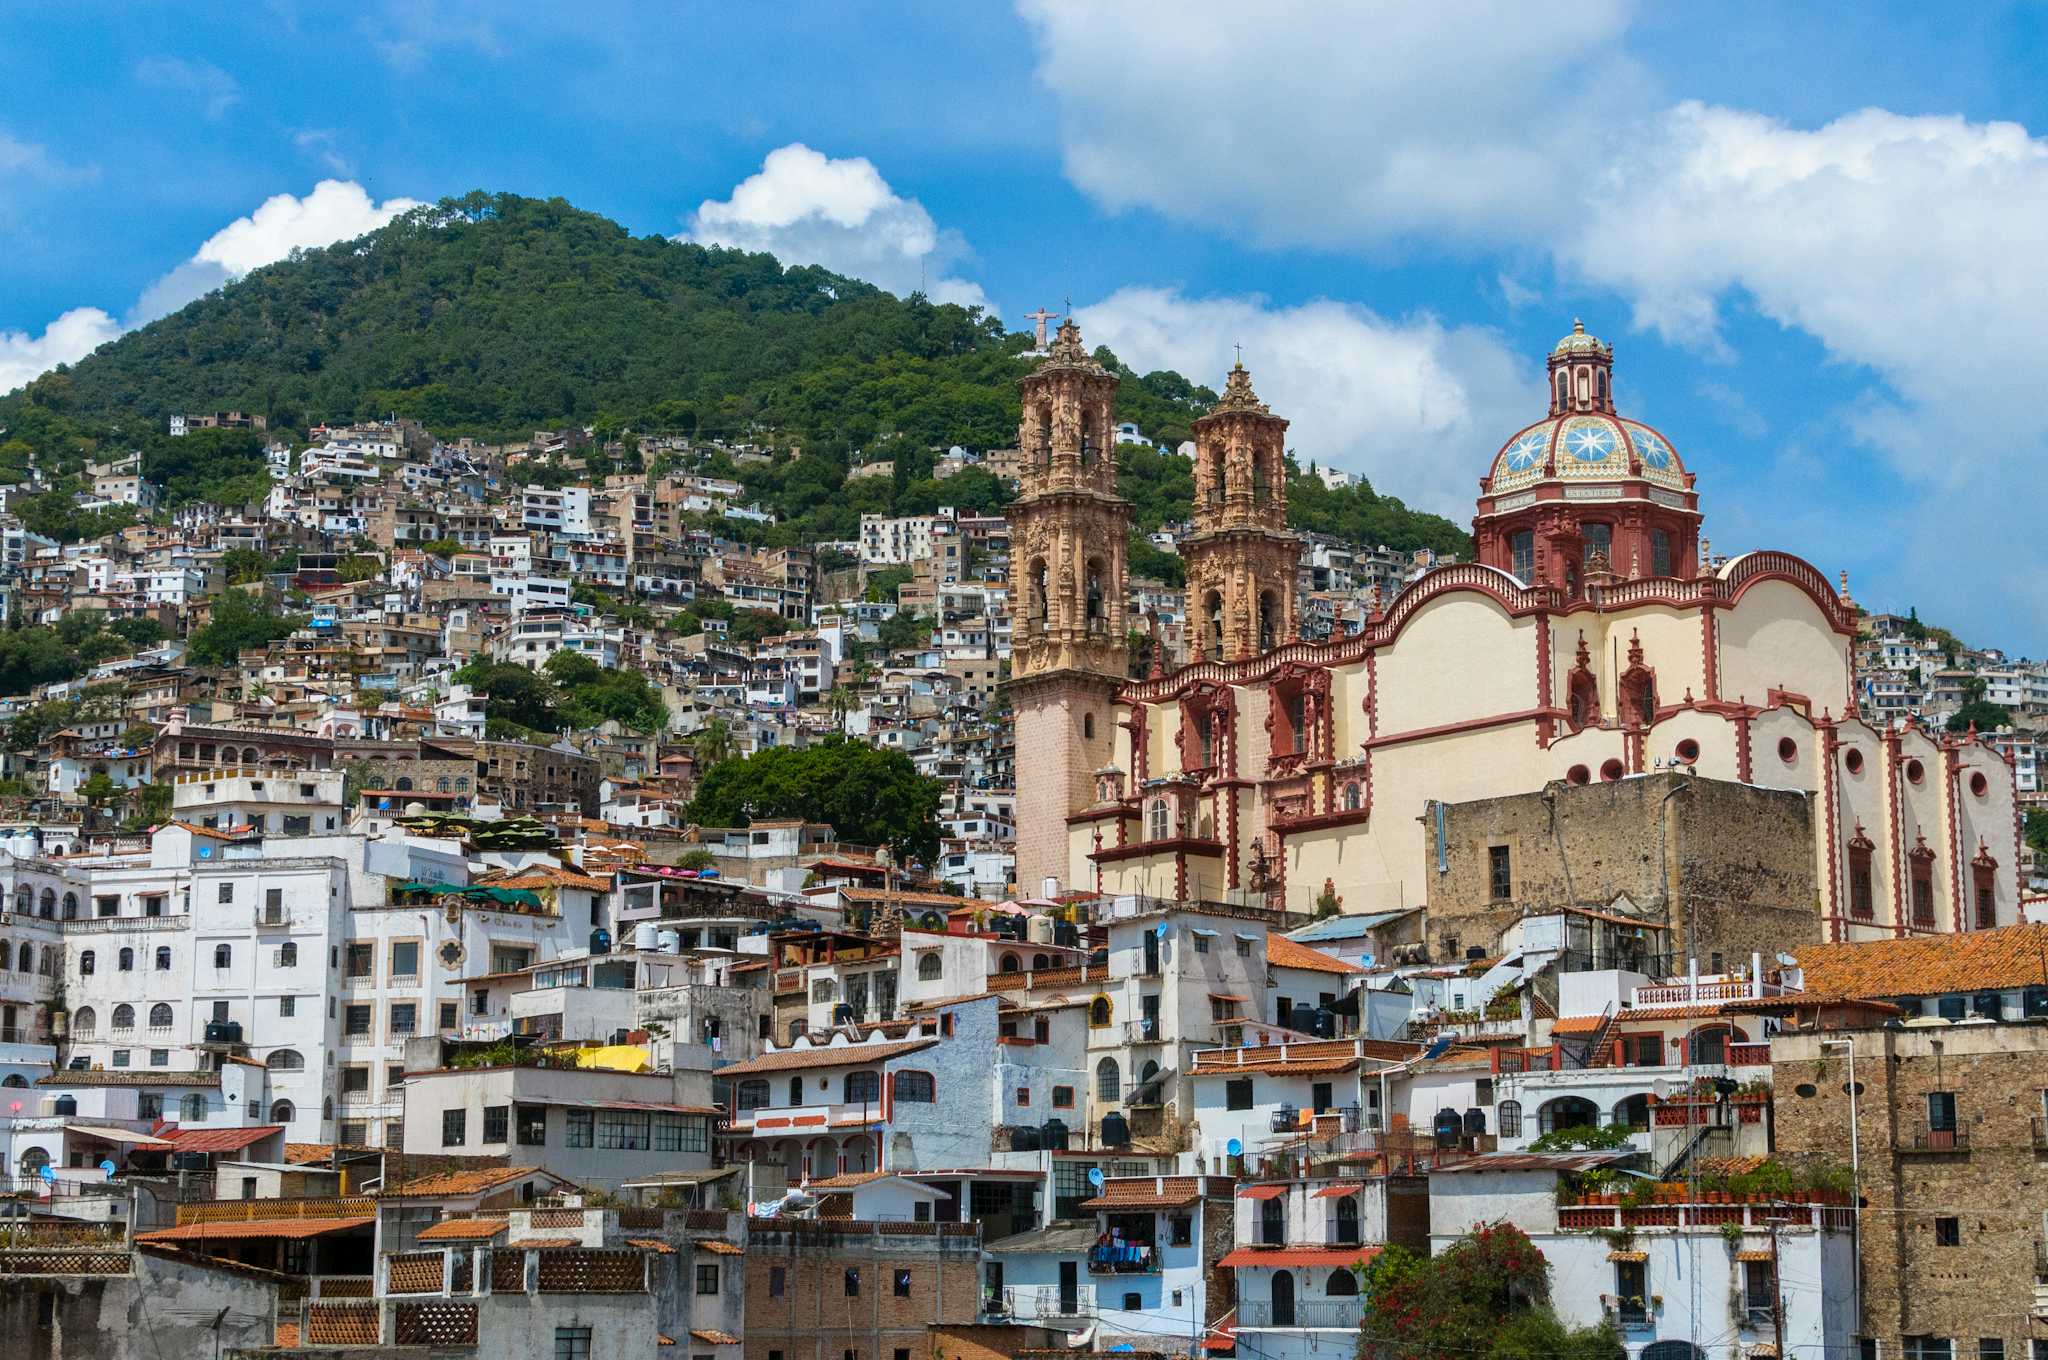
column 1240, row 355
column 1041, row 316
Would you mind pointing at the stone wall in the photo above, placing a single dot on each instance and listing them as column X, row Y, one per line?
column 1993, row 1181
column 1737, row 862
column 799, row 1306
column 1056, row 764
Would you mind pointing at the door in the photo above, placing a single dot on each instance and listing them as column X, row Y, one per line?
column 1070, row 1288
column 1283, row 1298
column 1319, row 1096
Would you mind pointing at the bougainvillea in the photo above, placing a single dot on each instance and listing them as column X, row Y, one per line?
column 1487, row 1294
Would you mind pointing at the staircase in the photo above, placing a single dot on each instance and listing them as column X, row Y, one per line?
column 1675, row 1168
column 1601, row 1052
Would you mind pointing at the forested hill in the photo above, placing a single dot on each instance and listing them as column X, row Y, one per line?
column 495, row 315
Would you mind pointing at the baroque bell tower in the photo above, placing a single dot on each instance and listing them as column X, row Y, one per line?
column 1069, row 533
column 1241, row 561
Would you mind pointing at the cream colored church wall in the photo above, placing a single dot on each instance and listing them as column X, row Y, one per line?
column 1348, row 692
column 1671, row 645
column 1776, row 637
column 1591, row 747
column 1460, row 657
column 1718, row 738
column 1921, row 813
column 1860, row 800
column 1987, row 817
column 1775, row 734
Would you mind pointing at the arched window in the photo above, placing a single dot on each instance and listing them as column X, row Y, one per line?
column 1109, row 1080
column 1039, row 961
column 124, row 1018
column 863, row 1087
column 1161, row 824
column 1568, row 1112
column 1673, row 1350
column 1212, row 609
column 223, row 956
column 71, row 906
column 288, row 954
column 404, row 784
column 6, row 959
column 281, row 1112
column 1273, row 1221
column 1269, row 620
column 1507, row 1117
column 1352, row 798
column 930, row 966
column 1347, row 1222
column 753, row 1094
column 28, row 957
column 163, row 958
column 1564, row 391
column 441, row 784
column 160, row 1015
column 88, row 963
column 1343, row 1285
column 796, row 1090
column 14, row 1081
column 796, row 1030
column 33, row 1160
column 914, row 1087
column 1093, row 596
column 1099, row 1012
column 1010, row 964
column 48, row 905
column 1633, row 1113
column 125, row 960
column 327, row 1107
column 24, row 899
column 1709, row 1044
column 83, row 1023
column 1038, row 604
column 285, row 1060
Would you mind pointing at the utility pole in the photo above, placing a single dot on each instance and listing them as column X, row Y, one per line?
column 1777, row 1288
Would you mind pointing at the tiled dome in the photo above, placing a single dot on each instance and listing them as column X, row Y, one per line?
column 1586, row 447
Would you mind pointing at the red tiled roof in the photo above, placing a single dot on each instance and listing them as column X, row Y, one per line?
column 1976, row 960
column 711, row 1337
column 1223, row 1336
column 256, row 1228
column 1262, row 1191
column 456, row 1182
column 1298, row 1256
column 845, row 1055
column 654, row 1244
column 538, row 1242
column 218, row 1140
column 464, row 1230
column 1151, row 1192
column 1282, row 952
column 719, row 1248
column 1339, row 1190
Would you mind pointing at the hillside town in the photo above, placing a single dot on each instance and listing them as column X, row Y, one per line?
column 395, row 963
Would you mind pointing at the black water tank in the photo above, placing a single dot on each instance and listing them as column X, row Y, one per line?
column 1475, row 1123
column 842, row 1014
column 1115, row 1132
column 1448, row 1128
column 1025, row 1139
column 224, row 1032
column 1099, row 959
column 1066, row 935
column 600, row 941
column 1053, row 1135
column 1325, row 1023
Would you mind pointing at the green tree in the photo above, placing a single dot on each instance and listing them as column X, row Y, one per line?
column 867, row 795
column 1486, row 1295
column 712, row 744
column 1985, row 716
column 883, row 585
column 138, row 632
column 697, row 859
column 239, row 622
column 244, row 566
column 2037, row 830
column 904, row 629
column 514, row 697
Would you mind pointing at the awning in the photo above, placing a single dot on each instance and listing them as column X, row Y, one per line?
column 1339, row 1190
column 1245, row 935
column 1197, row 930
column 1757, row 1255
column 1228, row 996
column 289, row 1228
column 1262, row 1192
column 109, row 1134
column 1628, row 1256
column 1298, row 1256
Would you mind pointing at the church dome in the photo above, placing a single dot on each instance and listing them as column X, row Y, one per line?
column 1578, row 342
column 1586, row 447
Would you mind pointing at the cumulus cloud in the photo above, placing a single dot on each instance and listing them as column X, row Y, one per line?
column 71, row 337
column 1403, row 401
column 1331, row 123
column 214, row 89
column 804, row 207
column 335, row 211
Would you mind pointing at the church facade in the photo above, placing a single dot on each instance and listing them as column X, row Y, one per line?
column 1596, row 639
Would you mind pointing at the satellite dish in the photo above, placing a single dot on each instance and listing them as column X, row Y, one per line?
column 1095, row 1176
column 49, row 1174
column 1786, row 960
column 1366, row 961
column 1161, row 930
column 108, row 1167
column 1234, row 1147
column 1660, row 1088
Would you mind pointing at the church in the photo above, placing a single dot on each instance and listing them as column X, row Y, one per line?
column 1596, row 643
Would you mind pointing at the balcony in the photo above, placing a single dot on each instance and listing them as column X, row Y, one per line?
column 1926, row 1137
column 1146, row 1031
column 1036, row 1303
column 1123, row 1258
column 1344, row 1314
column 808, row 1118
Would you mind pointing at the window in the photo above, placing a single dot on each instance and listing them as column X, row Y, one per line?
column 287, row 1006
column 914, row 1087
column 149, row 1105
column 454, row 1123
column 1921, row 860
column 1201, row 943
column 1499, row 874
column 223, row 956
column 1099, row 1012
column 285, row 1060
column 1023, row 1095
column 753, row 1093
column 355, row 1080
column 1108, row 1080
column 1237, row 1095
column 448, row 1017
column 1948, row 1232
column 863, row 1087
column 357, row 1020
column 707, row 1279
column 624, row 1130
column 1759, row 1292
column 1180, row 1230
column 497, row 1122
column 1990, row 1348
column 273, row 904
column 1861, row 897
column 359, row 960
column 124, row 1018
column 901, row 1283
column 1941, row 1116
column 582, row 1129
column 681, row 1133
column 227, row 892
column 1522, row 554
column 853, row 1282
column 778, row 1279
column 1599, row 539
column 163, row 959
column 930, row 967
column 1632, row 1290
column 288, row 954
column 1244, row 948
column 532, row 1125
column 405, row 959
column 120, row 1059
column 191, row 1108
column 1660, row 552
column 1929, row 1348
column 1509, row 1118
column 404, row 1018
column 1133, row 1302
column 88, row 963
column 125, row 961
column 1062, row 1097
column 572, row 1343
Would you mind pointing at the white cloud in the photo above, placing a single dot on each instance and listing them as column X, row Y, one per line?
column 335, row 211
column 321, row 145
column 214, row 88
column 1406, row 402
column 804, row 207
column 33, row 160
column 1331, row 123
column 69, row 338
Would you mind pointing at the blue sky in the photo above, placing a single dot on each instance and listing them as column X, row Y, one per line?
column 1811, row 232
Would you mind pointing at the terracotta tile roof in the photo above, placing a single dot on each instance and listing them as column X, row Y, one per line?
column 1156, row 1192
column 1282, row 952
column 845, row 1055
column 536, row 876
column 1589, row 1024
column 849, row 1180
column 218, row 1140
column 719, row 1248
column 1223, row 1336
column 654, row 1244
column 542, row 1242
column 130, row 1078
column 256, row 1228
column 455, row 1182
column 464, row 1230
column 2010, row 956
column 711, row 1337
column 1298, row 1256
column 1272, row 1190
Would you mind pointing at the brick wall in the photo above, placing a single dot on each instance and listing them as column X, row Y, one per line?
column 812, row 1316
column 1995, row 1186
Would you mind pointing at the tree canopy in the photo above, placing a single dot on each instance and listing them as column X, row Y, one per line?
column 869, row 796
column 569, row 691
column 239, row 621
column 1485, row 1297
